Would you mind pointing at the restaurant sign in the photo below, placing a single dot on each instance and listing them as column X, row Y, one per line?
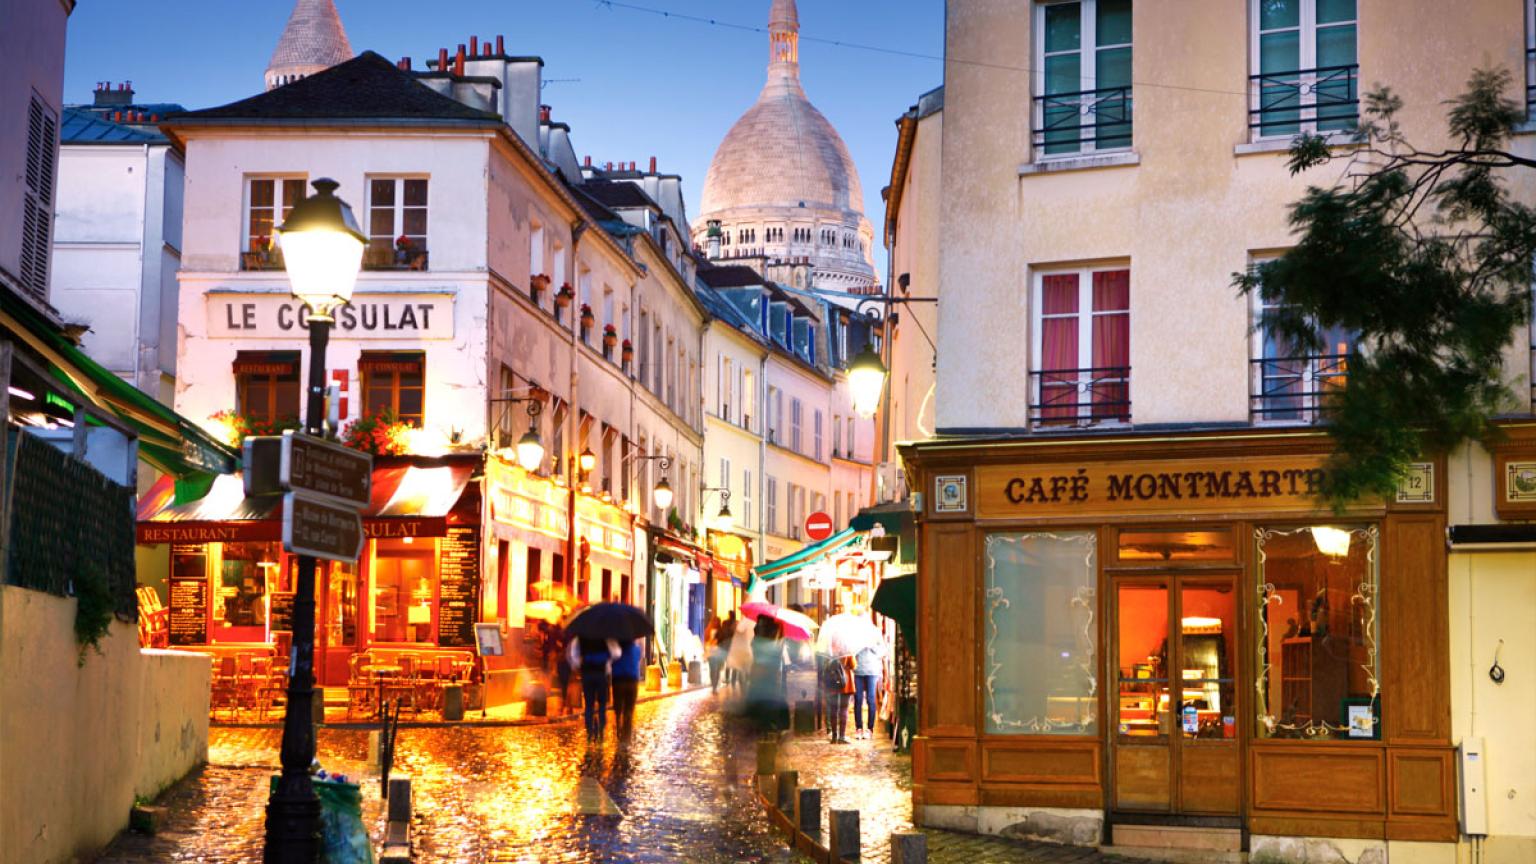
column 370, row 315
column 1165, row 486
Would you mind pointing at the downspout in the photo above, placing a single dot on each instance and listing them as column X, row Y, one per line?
column 762, row 456
column 572, row 421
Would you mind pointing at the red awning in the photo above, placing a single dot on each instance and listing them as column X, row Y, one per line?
column 408, row 501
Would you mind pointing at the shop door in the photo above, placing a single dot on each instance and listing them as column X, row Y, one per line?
column 336, row 623
column 1175, row 740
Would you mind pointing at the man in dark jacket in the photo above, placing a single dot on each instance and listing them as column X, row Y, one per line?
column 627, row 668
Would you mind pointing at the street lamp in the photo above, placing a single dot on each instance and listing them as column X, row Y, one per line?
column 662, row 495
column 722, row 521
column 866, row 377
column 529, row 449
column 323, row 252
column 588, row 460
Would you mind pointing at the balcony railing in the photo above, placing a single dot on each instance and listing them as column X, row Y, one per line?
column 1296, row 389
column 1080, row 397
column 262, row 259
column 1530, row 84
column 1325, row 99
column 383, row 258
column 1087, row 120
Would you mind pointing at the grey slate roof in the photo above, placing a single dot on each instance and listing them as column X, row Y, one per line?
column 367, row 87
column 84, row 127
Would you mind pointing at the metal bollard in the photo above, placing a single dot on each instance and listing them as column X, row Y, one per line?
column 909, row 848
column 843, row 836
column 810, row 813
column 399, row 798
column 767, row 755
column 788, row 782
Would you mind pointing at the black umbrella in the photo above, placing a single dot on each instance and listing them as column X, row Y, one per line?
column 619, row 621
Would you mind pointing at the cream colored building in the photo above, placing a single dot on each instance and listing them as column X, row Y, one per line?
column 1106, row 167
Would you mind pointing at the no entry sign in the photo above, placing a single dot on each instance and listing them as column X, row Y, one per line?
column 818, row 526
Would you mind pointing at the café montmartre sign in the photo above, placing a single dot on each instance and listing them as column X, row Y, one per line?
column 370, row 315
column 1169, row 486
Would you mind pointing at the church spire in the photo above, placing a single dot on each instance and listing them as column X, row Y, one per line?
column 784, row 38
column 313, row 40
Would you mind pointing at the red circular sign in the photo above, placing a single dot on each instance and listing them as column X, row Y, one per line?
column 818, row 526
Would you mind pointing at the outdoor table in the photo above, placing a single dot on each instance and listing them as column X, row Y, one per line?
column 384, row 674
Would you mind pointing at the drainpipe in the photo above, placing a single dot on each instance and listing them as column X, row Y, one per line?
column 762, row 455
column 572, row 421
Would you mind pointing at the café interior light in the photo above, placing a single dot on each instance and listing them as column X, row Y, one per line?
column 1333, row 542
column 662, row 495
column 866, row 378
column 322, row 249
column 530, row 451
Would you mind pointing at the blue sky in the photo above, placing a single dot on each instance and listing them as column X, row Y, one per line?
column 648, row 85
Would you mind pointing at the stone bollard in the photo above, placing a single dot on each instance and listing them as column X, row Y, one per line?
column 653, row 678
column 909, row 848
column 767, row 756
column 805, row 717
column 399, row 798
column 810, row 813
column 843, row 835
column 788, row 782
column 375, row 748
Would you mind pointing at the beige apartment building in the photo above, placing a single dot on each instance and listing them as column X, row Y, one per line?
column 1138, row 627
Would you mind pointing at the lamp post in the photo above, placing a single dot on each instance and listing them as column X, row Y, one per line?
column 529, row 450
column 866, row 378
column 323, row 252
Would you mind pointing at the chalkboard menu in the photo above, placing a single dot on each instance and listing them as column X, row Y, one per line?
column 280, row 613
column 458, row 605
column 189, row 612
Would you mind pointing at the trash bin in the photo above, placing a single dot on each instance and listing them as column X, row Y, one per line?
column 537, row 698
column 453, row 702
column 343, row 839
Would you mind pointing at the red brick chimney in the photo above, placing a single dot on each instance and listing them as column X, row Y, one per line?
column 653, row 164
column 544, row 113
column 501, row 46
column 458, row 62
column 588, row 163
column 442, row 59
column 474, row 45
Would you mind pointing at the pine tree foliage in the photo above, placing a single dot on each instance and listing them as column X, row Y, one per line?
column 1427, row 255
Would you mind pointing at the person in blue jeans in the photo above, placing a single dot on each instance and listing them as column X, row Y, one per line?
column 626, row 687
column 866, row 673
column 593, row 657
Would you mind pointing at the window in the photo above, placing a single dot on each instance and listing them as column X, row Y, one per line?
column 771, row 507
column 397, row 223
column 536, row 250
column 643, row 371
column 1042, row 635
column 404, row 591
column 1307, row 69
column 269, row 200
column 851, row 451
column 37, row 202
column 794, row 497
column 1319, row 664
column 748, row 397
column 656, row 387
column 267, row 389
column 394, row 383
column 240, row 594
column 746, row 499
column 794, row 425
column 1082, row 347
column 773, row 422
column 1290, row 384
column 1084, row 83
column 726, row 380
column 837, row 511
column 725, row 474
column 837, row 435
column 816, row 434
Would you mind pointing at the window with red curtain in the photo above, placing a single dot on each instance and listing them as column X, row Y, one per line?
column 1084, row 348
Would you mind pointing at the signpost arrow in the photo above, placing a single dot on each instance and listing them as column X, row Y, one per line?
column 326, row 470
column 317, row 527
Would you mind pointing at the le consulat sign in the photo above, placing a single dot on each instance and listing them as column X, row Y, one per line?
column 1169, row 486
column 370, row 315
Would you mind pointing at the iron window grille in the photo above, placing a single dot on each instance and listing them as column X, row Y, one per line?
column 1296, row 389
column 1080, row 397
column 1288, row 103
column 1084, row 121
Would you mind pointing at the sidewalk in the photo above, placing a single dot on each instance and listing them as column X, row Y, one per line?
column 870, row 777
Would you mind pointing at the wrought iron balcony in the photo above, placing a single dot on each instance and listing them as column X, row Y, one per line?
column 1087, row 120
column 1080, row 397
column 1296, row 389
column 386, row 257
column 1325, row 99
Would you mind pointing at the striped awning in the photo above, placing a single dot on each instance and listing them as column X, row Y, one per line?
column 794, row 562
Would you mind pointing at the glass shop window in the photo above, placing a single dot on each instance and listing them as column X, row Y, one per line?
column 404, row 590
column 267, row 389
column 1042, row 634
column 240, row 598
column 394, row 383
column 1157, row 545
column 1319, row 661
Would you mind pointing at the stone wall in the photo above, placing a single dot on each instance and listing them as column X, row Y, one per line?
column 78, row 742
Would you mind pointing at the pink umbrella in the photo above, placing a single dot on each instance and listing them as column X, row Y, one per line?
column 795, row 624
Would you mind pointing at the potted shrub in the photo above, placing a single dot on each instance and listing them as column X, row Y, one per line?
column 537, row 285
column 586, row 315
column 564, row 296
column 627, row 351
column 610, row 336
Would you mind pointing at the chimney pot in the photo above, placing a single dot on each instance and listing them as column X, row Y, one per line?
column 501, row 45
column 544, row 113
column 589, row 162
column 442, row 59
column 117, row 116
column 474, row 45
column 154, row 118
column 653, row 164
column 631, row 166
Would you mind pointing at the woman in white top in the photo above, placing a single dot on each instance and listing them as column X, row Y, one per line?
column 738, row 661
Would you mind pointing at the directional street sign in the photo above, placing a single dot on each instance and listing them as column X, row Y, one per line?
column 313, row 526
column 325, row 470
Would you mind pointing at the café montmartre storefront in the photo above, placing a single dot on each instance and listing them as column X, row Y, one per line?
column 1127, row 637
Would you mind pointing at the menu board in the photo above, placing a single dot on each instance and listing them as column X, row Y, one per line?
column 189, row 612
column 458, row 593
column 280, row 612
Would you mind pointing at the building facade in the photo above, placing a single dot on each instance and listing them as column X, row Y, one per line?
column 1139, row 626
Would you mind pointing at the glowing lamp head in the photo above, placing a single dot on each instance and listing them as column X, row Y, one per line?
column 322, row 249
column 723, row 520
column 1333, row 542
column 866, row 378
column 587, row 460
column 662, row 495
column 530, row 451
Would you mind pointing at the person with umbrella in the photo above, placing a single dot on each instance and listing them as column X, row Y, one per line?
column 596, row 632
column 626, row 671
column 856, row 646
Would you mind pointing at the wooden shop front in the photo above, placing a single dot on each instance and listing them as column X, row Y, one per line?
column 1170, row 631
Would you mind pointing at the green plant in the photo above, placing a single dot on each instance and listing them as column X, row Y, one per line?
column 94, row 608
column 674, row 521
column 380, row 433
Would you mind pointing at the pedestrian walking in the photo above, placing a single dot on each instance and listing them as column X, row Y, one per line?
column 837, row 684
column 593, row 657
column 719, row 647
column 766, row 702
column 866, row 674
column 738, row 660
column 626, row 686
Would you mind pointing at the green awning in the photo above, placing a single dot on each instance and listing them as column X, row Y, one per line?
column 898, row 521
column 896, row 599
column 799, row 560
column 168, row 441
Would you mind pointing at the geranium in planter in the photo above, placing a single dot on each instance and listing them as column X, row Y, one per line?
column 537, row 285
column 564, row 296
column 627, row 350
column 610, row 336
column 586, row 315
column 380, row 433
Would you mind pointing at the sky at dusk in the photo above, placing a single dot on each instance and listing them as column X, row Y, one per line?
column 646, row 84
